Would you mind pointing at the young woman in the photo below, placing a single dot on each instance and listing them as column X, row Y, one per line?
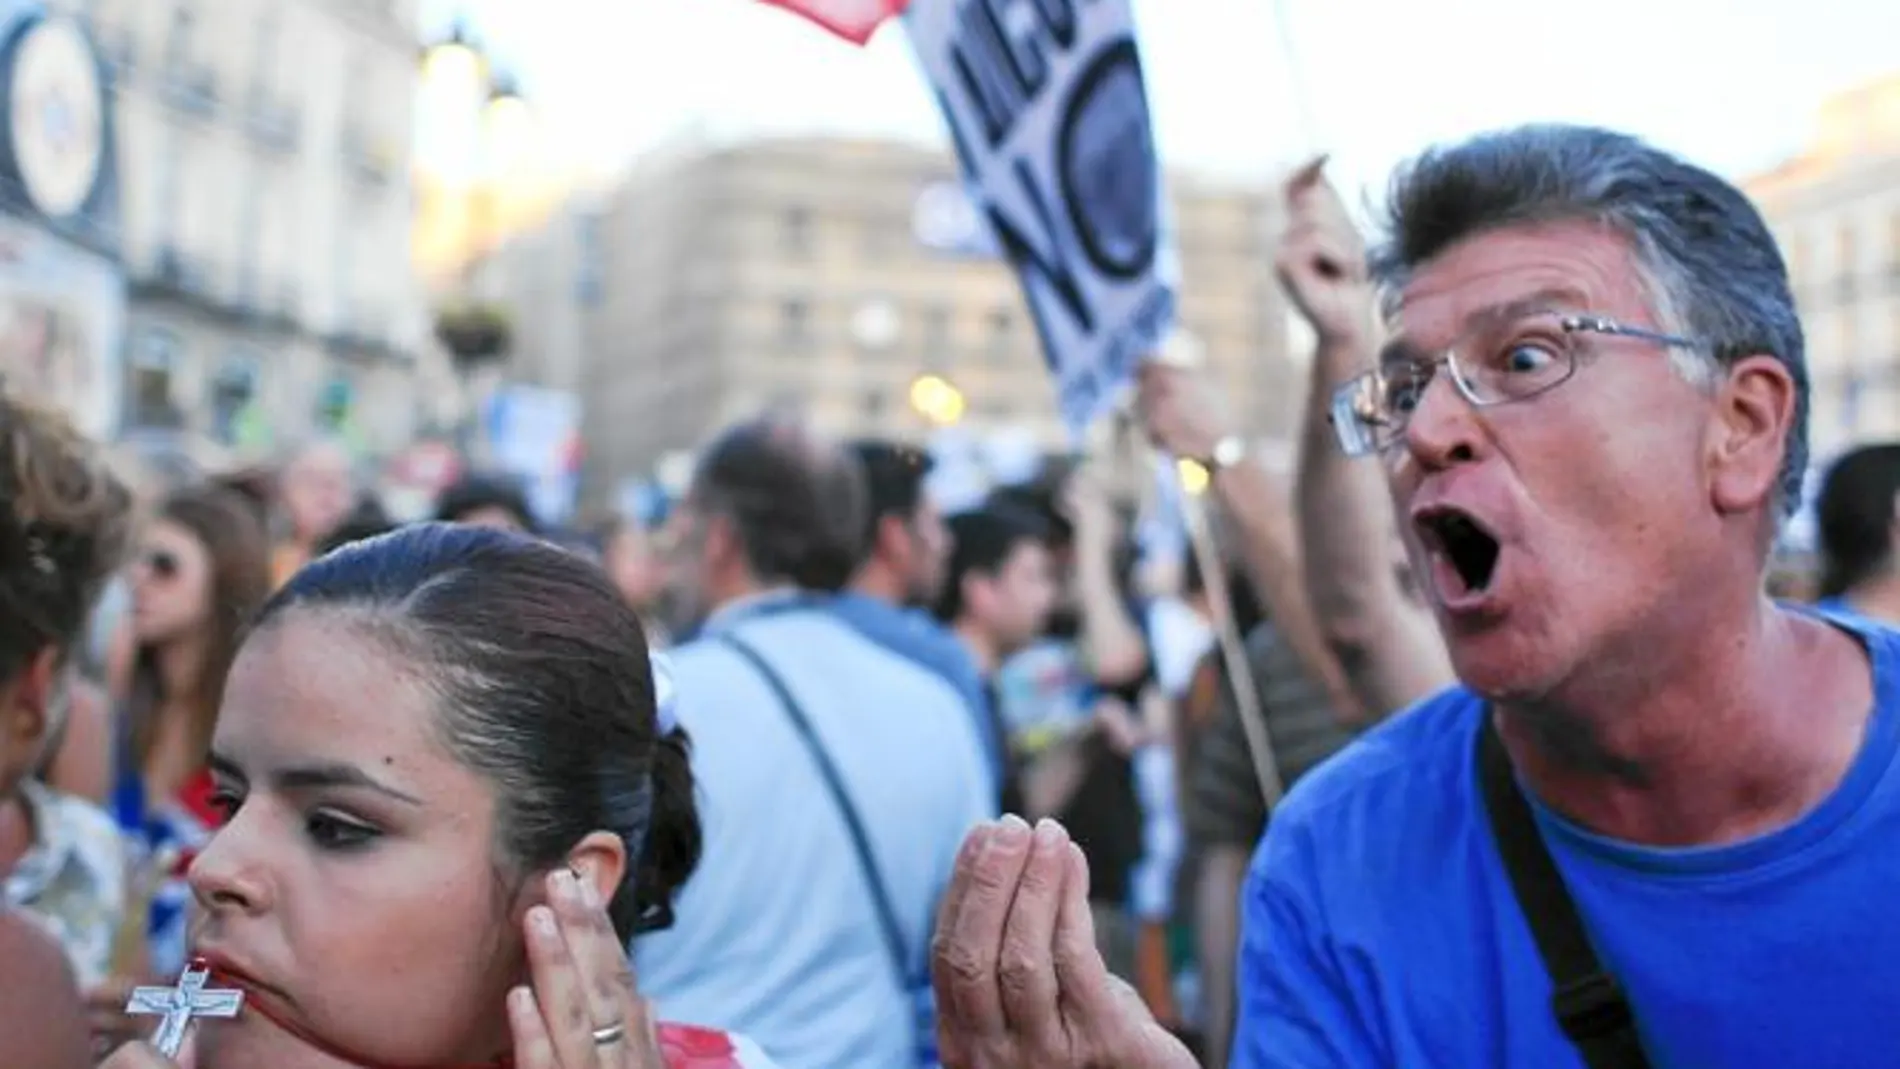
column 449, row 802
column 202, row 569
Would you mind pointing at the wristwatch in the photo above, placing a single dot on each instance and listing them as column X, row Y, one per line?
column 1229, row 451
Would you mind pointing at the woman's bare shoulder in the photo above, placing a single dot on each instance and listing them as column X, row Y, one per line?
column 42, row 1020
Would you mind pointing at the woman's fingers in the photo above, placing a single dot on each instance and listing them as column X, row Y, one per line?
column 583, row 1011
column 606, row 977
column 559, row 991
column 534, row 1048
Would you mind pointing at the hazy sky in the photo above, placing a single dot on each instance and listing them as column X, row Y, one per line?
column 1732, row 83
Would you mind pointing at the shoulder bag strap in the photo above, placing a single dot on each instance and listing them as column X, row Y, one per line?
column 834, row 785
column 1590, row 1005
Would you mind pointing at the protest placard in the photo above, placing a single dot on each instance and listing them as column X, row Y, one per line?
column 1045, row 102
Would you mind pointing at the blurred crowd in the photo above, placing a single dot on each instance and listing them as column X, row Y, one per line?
column 863, row 678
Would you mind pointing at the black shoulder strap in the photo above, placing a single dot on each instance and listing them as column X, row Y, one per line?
column 1590, row 1005
column 834, row 785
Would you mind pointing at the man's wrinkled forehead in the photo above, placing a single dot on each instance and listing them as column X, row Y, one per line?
column 1583, row 266
column 1433, row 330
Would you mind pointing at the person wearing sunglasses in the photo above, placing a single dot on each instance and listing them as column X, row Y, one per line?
column 200, row 570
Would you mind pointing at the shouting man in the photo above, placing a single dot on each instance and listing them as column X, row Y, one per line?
column 1591, row 413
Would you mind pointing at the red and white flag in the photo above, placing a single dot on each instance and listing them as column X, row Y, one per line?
column 853, row 20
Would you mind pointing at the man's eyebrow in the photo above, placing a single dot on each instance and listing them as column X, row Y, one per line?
column 1400, row 351
column 314, row 776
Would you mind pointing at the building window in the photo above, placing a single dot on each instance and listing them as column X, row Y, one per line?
column 178, row 41
column 154, row 367
column 1002, row 333
column 794, row 323
column 1847, row 251
column 879, row 238
column 936, row 328
column 232, row 392
column 796, row 231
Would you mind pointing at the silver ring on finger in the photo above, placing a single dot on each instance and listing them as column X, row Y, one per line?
column 611, row 1034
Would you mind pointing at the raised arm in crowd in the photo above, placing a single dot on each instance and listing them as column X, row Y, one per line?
column 1382, row 634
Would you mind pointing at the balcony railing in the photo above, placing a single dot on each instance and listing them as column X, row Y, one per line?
column 185, row 273
column 192, row 90
column 120, row 52
column 369, row 159
column 274, row 125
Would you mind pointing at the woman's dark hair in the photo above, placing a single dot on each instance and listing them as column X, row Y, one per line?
column 486, row 490
column 367, row 520
column 546, row 693
column 237, row 549
column 1855, row 517
column 63, row 530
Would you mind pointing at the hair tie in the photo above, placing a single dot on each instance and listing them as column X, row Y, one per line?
column 665, row 693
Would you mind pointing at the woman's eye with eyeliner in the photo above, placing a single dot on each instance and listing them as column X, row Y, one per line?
column 331, row 832
column 225, row 803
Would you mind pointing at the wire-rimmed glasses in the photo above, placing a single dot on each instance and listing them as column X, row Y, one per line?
column 1498, row 361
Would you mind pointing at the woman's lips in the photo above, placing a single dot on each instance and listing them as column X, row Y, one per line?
column 226, row 971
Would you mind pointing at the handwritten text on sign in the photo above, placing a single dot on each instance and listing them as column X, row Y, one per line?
column 1044, row 99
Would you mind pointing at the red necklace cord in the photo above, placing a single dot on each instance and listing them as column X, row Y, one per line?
column 262, row 1008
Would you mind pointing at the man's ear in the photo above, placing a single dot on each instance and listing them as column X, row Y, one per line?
column 1748, row 437
column 892, row 539
column 721, row 541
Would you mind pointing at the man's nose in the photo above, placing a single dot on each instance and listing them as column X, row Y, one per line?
column 1443, row 427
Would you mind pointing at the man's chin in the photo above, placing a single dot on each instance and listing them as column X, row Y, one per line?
column 1495, row 667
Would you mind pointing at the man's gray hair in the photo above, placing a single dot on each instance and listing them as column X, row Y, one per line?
column 1711, row 265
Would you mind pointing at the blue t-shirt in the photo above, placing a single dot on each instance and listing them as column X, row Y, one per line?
column 1380, row 928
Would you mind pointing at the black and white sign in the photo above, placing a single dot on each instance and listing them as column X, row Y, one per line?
column 1045, row 101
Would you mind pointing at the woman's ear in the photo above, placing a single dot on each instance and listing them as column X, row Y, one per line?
column 600, row 861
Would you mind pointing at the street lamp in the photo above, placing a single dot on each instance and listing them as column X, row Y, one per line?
column 456, row 57
column 475, row 333
column 937, row 400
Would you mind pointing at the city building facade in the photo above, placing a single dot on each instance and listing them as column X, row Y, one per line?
column 264, row 158
column 1835, row 209
column 725, row 279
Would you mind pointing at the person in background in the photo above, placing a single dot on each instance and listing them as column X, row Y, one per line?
column 996, row 598
column 1222, row 807
column 201, row 571
column 838, row 776
column 631, row 562
column 487, row 499
column 79, row 760
column 1858, row 517
column 907, row 547
column 63, row 530
column 1078, row 701
column 367, row 520
column 315, row 490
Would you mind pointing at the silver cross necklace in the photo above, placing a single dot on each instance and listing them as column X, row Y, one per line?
column 179, row 1004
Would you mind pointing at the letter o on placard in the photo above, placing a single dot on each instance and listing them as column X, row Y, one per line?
column 1105, row 160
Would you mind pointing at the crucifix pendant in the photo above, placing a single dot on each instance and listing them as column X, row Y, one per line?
column 178, row 1005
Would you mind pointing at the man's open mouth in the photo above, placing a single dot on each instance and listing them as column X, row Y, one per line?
column 1467, row 544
